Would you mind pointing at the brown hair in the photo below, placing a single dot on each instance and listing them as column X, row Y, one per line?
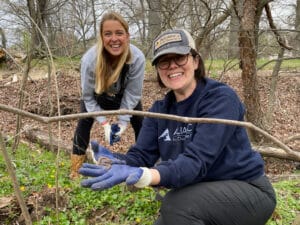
column 105, row 74
column 199, row 72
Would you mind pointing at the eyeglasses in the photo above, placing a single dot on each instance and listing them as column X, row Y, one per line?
column 180, row 60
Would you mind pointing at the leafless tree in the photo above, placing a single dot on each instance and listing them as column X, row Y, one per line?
column 154, row 19
column 297, row 26
column 84, row 15
column 3, row 38
column 37, row 11
column 233, row 51
column 248, row 39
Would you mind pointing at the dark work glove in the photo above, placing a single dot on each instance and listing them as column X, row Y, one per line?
column 104, row 178
column 114, row 137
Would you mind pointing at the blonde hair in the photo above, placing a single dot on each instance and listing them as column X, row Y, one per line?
column 105, row 74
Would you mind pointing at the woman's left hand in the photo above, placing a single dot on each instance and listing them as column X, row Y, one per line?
column 104, row 178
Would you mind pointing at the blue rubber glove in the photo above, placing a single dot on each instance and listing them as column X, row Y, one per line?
column 104, row 178
column 92, row 170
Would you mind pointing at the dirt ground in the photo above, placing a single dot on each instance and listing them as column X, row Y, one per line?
column 39, row 93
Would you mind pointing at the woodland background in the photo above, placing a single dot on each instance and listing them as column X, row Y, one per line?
column 253, row 45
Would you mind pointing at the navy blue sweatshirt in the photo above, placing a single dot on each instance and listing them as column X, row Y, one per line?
column 188, row 153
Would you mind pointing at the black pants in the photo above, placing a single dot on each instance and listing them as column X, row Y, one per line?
column 82, row 133
column 229, row 202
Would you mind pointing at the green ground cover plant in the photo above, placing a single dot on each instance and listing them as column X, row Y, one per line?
column 36, row 169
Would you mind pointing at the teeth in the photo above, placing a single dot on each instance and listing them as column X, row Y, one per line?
column 175, row 75
column 115, row 46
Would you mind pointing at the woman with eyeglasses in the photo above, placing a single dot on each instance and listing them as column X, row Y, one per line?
column 213, row 174
column 112, row 74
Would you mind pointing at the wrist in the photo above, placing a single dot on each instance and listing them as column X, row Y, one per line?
column 104, row 123
column 145, row 179
column 155, row 176
column 101, row 119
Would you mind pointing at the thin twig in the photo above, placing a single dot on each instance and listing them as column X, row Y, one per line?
column 15, row 182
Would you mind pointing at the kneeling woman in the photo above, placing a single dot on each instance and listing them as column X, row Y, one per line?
column 214, row 175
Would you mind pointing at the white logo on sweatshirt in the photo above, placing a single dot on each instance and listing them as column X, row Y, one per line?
column 165, row 135
column 181, row 133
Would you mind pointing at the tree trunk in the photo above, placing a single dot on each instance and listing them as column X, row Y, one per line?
column 296, row 41
column 2, row 46
column 248, row 44
column 37, row 11
column 154, row 26
column 21, row 98
column 94, row 17
column 233, row 51
column 274, row 80
column 3, row 38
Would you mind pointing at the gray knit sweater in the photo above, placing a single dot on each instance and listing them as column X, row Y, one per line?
column 133, row 82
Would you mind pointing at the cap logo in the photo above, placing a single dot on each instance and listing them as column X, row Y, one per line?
column 168, row 38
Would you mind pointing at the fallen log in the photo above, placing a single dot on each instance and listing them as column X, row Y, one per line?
column 275, row 153
column 36, row 135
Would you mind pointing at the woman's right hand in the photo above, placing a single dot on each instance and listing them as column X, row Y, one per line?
column 107, row 130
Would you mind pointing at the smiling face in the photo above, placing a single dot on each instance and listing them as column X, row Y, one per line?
column 179, row 75
column 115, row 38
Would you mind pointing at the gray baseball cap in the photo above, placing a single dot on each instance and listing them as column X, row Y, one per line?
column 176, row 41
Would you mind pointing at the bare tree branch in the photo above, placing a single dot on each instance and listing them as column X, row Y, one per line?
column 280, row 40
column 292, row 138
column 275, row 60
column 47, row 120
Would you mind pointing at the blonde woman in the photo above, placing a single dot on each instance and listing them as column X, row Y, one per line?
column 112, row 74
